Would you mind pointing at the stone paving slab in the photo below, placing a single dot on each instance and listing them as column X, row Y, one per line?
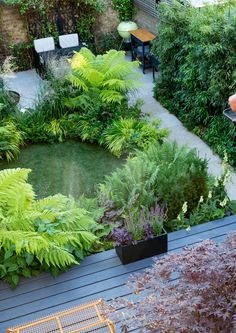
column 28, row 84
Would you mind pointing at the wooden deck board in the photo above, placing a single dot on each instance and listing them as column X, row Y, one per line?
column 99, row 276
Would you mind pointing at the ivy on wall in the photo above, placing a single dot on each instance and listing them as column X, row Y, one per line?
column 51, row 18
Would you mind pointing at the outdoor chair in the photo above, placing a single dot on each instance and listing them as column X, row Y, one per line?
column 70, row 40
column 68, row 44
column 155, row 64
column 44, row 48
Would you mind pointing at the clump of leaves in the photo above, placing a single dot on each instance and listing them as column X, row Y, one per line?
column 211, row 207
column 165, row 171
column 192, row 291
column 125, row 9
column 127, row 135
column 50, row 234
column 109, row 77
column 10, row 141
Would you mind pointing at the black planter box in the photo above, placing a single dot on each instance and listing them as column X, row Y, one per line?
column 143, row 249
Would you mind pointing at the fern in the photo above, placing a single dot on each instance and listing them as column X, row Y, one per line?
column 50, row 231
column 10, row 141
column 111, row 74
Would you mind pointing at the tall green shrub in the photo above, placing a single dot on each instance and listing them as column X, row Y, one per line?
column 171, row 174
column 196, row 49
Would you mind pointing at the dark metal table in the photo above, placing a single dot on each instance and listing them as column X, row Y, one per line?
column 57, row 53
column 42, row 58
column 140, row 45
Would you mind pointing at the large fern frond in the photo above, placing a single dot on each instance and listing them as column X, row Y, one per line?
column 15, row 193
column 111, row 96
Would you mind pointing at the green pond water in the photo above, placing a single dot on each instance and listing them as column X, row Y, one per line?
column 73, row 168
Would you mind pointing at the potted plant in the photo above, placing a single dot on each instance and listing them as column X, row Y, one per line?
column 141, row 234
column 125, row 9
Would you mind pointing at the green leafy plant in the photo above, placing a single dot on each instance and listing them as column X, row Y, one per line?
column 125, row 9
column 108, row 77
column 49, row 234
column 165, row 171
column 197, row 69
column 213, row 206
column 108, row 41
column 10, row 141
column 127, row 135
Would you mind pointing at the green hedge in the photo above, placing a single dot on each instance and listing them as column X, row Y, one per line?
column 197, row 51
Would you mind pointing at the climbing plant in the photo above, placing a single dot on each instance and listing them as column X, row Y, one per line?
column 52, row 18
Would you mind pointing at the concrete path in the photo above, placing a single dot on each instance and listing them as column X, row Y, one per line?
column 179, row 133
column 28, row 84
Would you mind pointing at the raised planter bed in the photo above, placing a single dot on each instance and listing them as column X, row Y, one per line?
column 143, row 249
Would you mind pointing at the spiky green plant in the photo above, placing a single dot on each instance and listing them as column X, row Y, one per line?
column 110, row 76
column 49, row 234
column 127, row 135
column 10, row 141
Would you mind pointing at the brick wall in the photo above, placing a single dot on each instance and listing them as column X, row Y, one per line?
column 108, row 21
column 12, row 24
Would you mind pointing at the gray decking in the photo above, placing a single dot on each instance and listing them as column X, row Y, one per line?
column 99, row 276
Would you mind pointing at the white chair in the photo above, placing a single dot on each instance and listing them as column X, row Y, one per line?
column 70, row 40
column 44, row 44
column 42, row 47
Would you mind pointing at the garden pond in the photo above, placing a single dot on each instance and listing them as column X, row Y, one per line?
column 71, row 168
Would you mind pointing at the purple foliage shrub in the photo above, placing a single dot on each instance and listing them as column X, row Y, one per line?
column 189, row 292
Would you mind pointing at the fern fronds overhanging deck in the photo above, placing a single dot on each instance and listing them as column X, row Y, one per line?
column 99, row 276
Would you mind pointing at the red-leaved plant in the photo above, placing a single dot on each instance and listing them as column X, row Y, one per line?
column 189, row 292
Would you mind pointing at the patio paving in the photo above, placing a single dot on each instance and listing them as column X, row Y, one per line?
column 28, row 84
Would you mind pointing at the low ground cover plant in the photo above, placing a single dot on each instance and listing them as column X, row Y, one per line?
column 197, row 69
column 50, row 234
column 192, row 291
column 128, row 135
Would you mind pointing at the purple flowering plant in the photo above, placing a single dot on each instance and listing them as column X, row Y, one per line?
column 140, row 225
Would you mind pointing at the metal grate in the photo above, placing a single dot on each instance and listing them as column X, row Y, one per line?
column 82, row 319
column 148, row 6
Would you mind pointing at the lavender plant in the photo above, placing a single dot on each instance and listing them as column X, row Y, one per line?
column 189, row 292
column 138, row 225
